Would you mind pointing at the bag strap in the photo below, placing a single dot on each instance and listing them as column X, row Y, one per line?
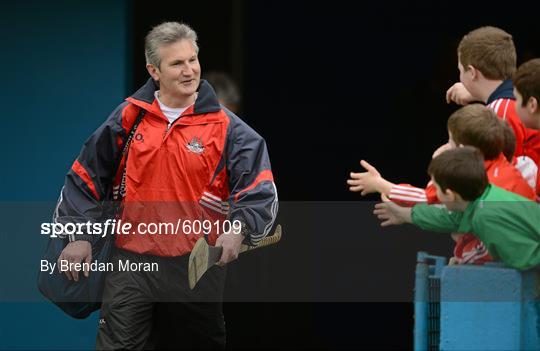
column 119, row 192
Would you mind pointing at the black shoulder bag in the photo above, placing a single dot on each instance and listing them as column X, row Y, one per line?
column 80, row 299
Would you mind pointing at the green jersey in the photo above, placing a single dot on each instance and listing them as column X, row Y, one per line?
column 508, row 224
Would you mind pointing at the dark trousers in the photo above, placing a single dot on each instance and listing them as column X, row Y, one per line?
column 157, row 310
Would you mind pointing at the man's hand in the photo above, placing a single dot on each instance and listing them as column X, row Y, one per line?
column 441, row 149
column 369, row 182
column 459, row 94
column 391, row 214
column 231, row 244
column 76, row 252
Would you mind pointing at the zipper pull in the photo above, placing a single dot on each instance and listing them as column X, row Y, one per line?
column 167, row 130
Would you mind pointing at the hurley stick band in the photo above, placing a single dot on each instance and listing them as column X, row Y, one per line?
column 269, row 240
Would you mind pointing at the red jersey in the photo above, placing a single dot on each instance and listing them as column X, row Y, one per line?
column 500, row 172
column 503, row 102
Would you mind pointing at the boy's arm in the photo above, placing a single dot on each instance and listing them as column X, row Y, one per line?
column 427, row 217
column 369, row 182
column 436, row 218
column 408, row 195
column 459, row 94
column 403, row 194
column 392, row 214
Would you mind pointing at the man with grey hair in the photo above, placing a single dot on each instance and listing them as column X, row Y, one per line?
column 187, row 159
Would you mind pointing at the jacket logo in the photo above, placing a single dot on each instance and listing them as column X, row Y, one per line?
column 195, row 145
column 139, row 137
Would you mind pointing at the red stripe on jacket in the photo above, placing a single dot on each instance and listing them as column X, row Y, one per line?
column 81, row 172
column 263, row 176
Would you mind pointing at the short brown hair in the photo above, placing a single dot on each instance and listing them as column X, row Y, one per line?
column 460, row 170
column 490, row 50
column 527, row 80
column 509, row 147
column 478, row 126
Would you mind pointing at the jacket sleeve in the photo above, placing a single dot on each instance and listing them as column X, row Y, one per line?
column 436, row 218
column 253, row 196
column 407, row 195
column 88, row 184
column 528, row 169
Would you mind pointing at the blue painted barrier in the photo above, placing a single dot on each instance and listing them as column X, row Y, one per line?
column 426, row 301
column 487, row 307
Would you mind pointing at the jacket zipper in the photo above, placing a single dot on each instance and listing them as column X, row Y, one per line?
column 171, row 124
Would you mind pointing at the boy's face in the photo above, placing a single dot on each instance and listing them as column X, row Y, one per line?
column 448, row 198
column 467, row 78
column 529, row 114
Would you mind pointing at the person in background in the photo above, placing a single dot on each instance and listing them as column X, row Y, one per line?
column 226, row 89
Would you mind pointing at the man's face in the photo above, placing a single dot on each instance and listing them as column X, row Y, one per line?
column 529, row 119
column 179, row 73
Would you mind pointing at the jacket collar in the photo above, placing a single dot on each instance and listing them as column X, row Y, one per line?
column 504, row 91
column 206, row 102
column 501, row 159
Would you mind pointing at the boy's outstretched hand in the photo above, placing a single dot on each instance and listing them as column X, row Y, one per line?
column 391, row 214
column 459, row 94
column 368, row 182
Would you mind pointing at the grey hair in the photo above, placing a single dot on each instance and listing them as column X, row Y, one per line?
column 164, row 34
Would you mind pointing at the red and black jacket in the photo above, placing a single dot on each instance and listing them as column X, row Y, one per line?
column 206, row 165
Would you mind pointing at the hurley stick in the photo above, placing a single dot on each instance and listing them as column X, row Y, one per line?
column 204, row 256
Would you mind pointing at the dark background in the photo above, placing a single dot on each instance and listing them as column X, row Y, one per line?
column 325, row 84
column 328, row 84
